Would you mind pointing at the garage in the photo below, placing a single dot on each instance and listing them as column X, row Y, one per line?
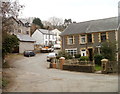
column 25, row 43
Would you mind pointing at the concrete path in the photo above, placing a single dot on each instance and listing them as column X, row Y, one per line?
column 30, row 74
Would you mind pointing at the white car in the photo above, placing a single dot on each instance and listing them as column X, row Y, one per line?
column 50, row 56
column 57, row 46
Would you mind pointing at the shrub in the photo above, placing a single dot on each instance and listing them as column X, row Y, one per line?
column 98, row 58
column 77, row 55
column 108, row 50
column 63, row 54
column 84, row 58
column 70, row 57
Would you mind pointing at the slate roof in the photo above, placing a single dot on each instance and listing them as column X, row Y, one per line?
column 25, row 38
column 44, row 31
column 100, row 25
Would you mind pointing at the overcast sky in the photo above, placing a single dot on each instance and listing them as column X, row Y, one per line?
column 77, row 10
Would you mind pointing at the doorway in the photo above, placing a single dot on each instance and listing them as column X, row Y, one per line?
column 90, row 51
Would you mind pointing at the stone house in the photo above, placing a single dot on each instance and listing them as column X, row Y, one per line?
column 18, row 27
column 22, row 31
column 85, row 38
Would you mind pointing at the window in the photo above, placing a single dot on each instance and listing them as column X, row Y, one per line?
column 89, row 38
column 72, row 51
column 82, row 39
column 83, row 52
column 103, row 37
column 70, row 39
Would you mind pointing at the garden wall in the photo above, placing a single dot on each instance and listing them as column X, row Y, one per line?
column 80, row 68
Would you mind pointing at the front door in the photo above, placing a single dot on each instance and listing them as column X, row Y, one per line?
column 90, row 54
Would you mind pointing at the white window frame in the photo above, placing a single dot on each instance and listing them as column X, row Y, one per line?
column 83, row 51
column 71, row 51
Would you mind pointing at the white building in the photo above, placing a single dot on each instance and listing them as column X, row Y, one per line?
column 44, row 37
column 57, row 33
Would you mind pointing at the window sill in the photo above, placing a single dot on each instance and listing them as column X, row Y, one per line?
column 70, row 44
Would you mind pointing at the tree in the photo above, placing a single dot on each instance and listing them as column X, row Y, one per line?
column 108, row 50
column 10, row 42
column 67, row 22
column 55, row 21
column 9, row 9
column 38, row 22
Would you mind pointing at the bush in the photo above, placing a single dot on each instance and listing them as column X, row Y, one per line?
column 64, row 54
column 108, row 50
column 70, row 57
column 98, row 58
column 84, row 58
column 77, row 55
column 9, row 43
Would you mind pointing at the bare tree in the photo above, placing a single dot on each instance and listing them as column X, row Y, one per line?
column 9, row 9
column 56, row 21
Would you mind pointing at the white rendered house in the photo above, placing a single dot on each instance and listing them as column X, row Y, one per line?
column 44, row 37
column 57, row 33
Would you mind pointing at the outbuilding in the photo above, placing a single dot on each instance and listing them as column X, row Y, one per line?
column 25, row 43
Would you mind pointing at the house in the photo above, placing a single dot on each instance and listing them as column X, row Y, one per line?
column 44, row 37
column 85, row 38
column 57, row 33
column 25, row 43
column 16, row 26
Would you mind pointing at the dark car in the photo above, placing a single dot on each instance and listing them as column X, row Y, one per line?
column 29, row 53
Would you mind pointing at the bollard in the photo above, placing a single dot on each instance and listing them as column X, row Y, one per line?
column 62, row 61
column 104, row 66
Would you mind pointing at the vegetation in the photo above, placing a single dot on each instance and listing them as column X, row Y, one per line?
column 8, row 45
column 84, row 58
column 98, row 58
column 4, row 82
column 77, row 55
column 108, row 50
column 38, row 22
column 98, row 67
column 64, row 54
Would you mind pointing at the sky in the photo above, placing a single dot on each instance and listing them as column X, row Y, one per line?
column 77, row 10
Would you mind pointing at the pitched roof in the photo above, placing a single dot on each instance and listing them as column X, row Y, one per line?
column 44, row 31
column 100, row 25
column 25, row 38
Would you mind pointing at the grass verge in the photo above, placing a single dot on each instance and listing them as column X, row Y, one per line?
column 98, row 67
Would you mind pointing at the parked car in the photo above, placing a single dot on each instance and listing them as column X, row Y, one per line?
column 57, row 46
column 47, row 49
column 50, row 56
column 29, row 53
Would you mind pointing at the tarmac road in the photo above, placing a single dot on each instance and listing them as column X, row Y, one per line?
column 30, row 74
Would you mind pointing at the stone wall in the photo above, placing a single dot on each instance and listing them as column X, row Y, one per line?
column 80, row 68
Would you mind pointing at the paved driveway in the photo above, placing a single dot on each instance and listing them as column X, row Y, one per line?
column 32, row 75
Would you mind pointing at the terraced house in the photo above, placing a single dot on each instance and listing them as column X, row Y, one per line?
column 85, row 38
